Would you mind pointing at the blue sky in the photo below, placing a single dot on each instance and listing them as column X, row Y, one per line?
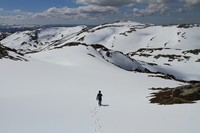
column 98, row 11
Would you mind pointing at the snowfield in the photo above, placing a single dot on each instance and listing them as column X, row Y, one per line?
column 55, row 90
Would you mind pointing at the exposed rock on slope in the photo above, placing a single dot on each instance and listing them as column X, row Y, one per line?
column 12, row 54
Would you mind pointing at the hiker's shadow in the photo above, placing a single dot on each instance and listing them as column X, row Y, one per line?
column 104, row 105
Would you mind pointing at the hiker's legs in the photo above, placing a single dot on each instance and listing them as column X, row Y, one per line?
column 99, row 102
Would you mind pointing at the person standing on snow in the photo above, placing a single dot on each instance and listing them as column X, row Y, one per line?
column 99, row 98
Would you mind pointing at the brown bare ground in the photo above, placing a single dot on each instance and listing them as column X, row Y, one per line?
column 179, row 95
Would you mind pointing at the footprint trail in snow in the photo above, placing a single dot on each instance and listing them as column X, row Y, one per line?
column 99, row 128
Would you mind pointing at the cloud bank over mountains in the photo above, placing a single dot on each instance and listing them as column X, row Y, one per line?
column 89, row 10
column 188, row 3
column 83, row 11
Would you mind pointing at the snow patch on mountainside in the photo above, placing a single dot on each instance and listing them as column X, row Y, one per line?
column 122, row 61
column 131, row 38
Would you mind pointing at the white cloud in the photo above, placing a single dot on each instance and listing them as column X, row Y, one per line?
column 108, row 2
column 97, row 10
column 11, row 18
column 18, row 10
column 84, row 11
column 191, row 3
column 118, row 3
column 151, row 9
column 180, row 10
column 121, row 2
column 100, row 9
column 53, row 14
column 152, row 6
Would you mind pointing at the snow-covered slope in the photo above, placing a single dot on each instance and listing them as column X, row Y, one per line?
column 133, row 46
column 129, row 37
column 55, row 91
column 37, row 40
column 168, row 47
